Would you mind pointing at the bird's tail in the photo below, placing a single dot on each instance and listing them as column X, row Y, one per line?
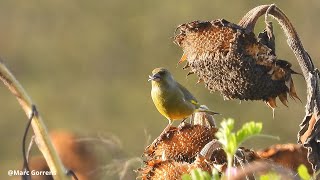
column 204, row 108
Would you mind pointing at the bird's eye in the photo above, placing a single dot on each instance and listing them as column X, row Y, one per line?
column 162, row 72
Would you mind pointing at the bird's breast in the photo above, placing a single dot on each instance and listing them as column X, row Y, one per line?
column 171, row 104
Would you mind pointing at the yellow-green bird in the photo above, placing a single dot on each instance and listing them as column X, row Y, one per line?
column 171, row 99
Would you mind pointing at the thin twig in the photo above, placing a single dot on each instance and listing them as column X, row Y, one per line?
column 72, row 174
column 29, row 147
column 24, row 139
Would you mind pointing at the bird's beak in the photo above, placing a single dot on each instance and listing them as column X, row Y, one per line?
column 154, row 77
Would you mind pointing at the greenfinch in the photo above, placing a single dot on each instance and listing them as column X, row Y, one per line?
column 171, row 99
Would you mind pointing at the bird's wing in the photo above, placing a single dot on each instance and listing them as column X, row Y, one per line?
column 187, row 95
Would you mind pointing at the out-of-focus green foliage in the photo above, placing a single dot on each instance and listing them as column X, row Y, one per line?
column 86, row 63
column 231, row 141
column 303, row 172
column 270, row 176
column 198, row 174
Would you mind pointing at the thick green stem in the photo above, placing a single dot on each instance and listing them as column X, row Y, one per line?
column 41, row 136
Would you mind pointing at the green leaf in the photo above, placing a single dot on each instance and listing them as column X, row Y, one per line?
column 303, row 172
column 248, row 130
column 226, row 137
column 199, row 174
column 215, row 174
column 206, row 175
column 195, row 174
column 231, row 141
column 270, row 176
column 232, row 144
column 186, row 177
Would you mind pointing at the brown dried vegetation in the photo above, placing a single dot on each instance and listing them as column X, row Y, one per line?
column 187, row 147
column 184, row 148
column 229, row 58
column 77, row 156
column 181, row 143
column 234, row 62
column 288, row 155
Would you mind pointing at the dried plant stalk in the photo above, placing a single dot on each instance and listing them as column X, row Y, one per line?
column 41, row 136
column 309, row 128
column 309, row 134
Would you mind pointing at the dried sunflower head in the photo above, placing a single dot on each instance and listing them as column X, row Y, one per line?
column 181, row 143
column 234, row 62
column 171, row 170
column 288, row 155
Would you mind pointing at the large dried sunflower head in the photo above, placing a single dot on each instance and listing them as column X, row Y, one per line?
column 234, row 62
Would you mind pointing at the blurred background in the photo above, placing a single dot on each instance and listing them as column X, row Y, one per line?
column 85, row 64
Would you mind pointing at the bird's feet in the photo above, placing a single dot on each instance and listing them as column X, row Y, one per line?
column 163, row 134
